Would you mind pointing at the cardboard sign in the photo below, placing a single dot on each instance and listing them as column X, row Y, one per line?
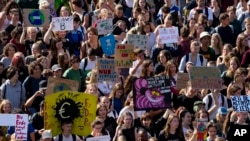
column 99, row 138
column 104, row 26
column 201, row 130
column 152, row 93
column 20, row 121
column 124, row 55
column 36, row 17
column 241, row 103
column 168, row 35
column 68, row 105
column 182, row 79
column 205, row 78
column 62, row 23
column 108, row 44
column 59, row 84
column 139, row 41
column 106, row 69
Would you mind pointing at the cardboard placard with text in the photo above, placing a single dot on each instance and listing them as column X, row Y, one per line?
column 36, row 17
column 241, row 103
column 168, row 35
column 62, row 23
column 182, row 79
column 106, row 69
column 124, row 55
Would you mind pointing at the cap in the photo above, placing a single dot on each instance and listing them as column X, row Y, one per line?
column 56, row 67
column 46, row 134
column 43, row 84
column 248, row 3
column 222, row 110
column 198, row 103
column 204, row 34
column 41, row 104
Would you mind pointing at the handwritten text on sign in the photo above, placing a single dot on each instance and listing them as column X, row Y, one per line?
column 62, row 23
column 182, row 79
column 168, row 35
column 106, row 70
column 21, row 128
column 241, row 103
column 99, row 138
column 104, row 26
column 139, row 41
column 124, row 56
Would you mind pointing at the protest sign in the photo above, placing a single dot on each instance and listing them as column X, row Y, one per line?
column 59, row 84
column 168, row 35
column 152, row 93
column 99, row 138
column 69, row 105
column 108, row 44
column 36, row 17
column 139, row 41
column 106, row 69
column 205, row 78
column 201, row 130
column 182, row 79
column 104, row 26
column 241, row 103
column 62, row 23
column 124, row 55
column 20, row 121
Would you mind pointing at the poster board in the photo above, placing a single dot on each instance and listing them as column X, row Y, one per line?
column 106, row 69
column 241, row 103
column 69, row 105
column 168, row 35
column 62, row 23
column 99, row 138
column 108, row 44
column 59, row 84
column 124, row 54
column 139, row 41
column 201, row 130
column 20, row 121
column 152, row 93
column 36, row 17
column 205, row 78
column 104, row 26
column 182, row 79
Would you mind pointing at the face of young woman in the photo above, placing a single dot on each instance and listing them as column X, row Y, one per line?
column 142, row 3
column 64, row 13
column 192, row 24
column 127, row 120
column 147, row 29
column 92, row 90
column 225, row 50
column 187, row 118
column 212, row 131
column 173, row 68
column 62, row 34
column 174, row 123
column 163, row 58
column 214, row 41
column 102, row 112
column 7, row 108
column 106, row 102
column 233, row 65
column 146, row 122
column 118, row 93
column 11, row 51
column 244, row 42
column 37, row 70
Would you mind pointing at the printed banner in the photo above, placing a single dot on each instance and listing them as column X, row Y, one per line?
column 182, row 79
column 59, row 84
column 62, row 23
column 104, row 26
column 152, row 93
column 106, row 69
column 99, row 138
column 168, row 35
column 205, row 78
column 124, row 54
column 108, row 44
column 36, row 17
column 139, row 41
column 241, row 103
column 68, row 105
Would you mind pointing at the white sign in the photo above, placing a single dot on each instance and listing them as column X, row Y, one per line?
column 100, row 138
column 139, row 41
column 62, row 23
column 20, row 121
column 241, row 103
column 104, row 26
column 168, row 35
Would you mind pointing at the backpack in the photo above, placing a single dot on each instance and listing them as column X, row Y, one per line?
column 201, row 11
column 61, row 137
column 210, row 101
column 201, row 58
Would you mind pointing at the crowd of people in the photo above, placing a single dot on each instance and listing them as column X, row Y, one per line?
column 212, row 33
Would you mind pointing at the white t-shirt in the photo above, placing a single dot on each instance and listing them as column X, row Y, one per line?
column 126, row 109
column 138, row 71
column 90, row 64
column 210, row 13
column 70, row 138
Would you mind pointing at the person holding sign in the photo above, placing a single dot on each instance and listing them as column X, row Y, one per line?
column 97, row 128
column 135, row 70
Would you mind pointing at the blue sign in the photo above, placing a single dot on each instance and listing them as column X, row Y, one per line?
column 108, row 44
column 36, row 17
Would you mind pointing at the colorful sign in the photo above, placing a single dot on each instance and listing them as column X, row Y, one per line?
column 99, row 138
column 241, row 103
column 124, row 55
column 70, row 106
column 201, row 130
column 104, row 26
column 108, row 44
column 36, row 17
column 182, row 79
column 152, row 93
column 168, row 35
column 106, row 69
column 139, row 41
column 62, row 23
column 205, row 78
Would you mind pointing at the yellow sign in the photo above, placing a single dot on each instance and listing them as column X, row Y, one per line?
column 70, row 105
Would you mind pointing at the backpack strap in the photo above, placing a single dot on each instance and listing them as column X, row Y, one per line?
column 206, row 11
column 209, row 101
column 85, row 64
column 60, row 137
column 187, row 58
column 201, row 59
column 74, row 137
column 222, row 99
column 4, row 91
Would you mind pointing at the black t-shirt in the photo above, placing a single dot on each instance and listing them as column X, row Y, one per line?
column 171, row 137
column 187, row 102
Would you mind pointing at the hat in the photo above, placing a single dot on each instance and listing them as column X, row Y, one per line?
column 56, row 67
column 43, row 84
column 198, row 103
column 222, row 110
column 46, row 134
column 248, row 3
column 204, row 34
column 41, row 104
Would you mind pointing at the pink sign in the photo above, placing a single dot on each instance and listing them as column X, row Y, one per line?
column 21, row 128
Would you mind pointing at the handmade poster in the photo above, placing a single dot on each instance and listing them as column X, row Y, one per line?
column 168, row 35
column 205, row 78
column 104, row 26
column 20, row 121
column 36, row 17
column 106, row 69
column 182, row 79
column 139, row 41
column 124, row 55
column 201, row 130
column 59, row 84
column 108, row 44
column 62, row 23
column 99, row 138
column 241, row 103
column 69, row 105
column 152, row 93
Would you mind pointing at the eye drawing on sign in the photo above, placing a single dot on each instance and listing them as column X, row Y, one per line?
column 61, row 87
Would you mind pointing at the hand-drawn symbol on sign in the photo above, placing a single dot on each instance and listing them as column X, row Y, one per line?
column 36, row 17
